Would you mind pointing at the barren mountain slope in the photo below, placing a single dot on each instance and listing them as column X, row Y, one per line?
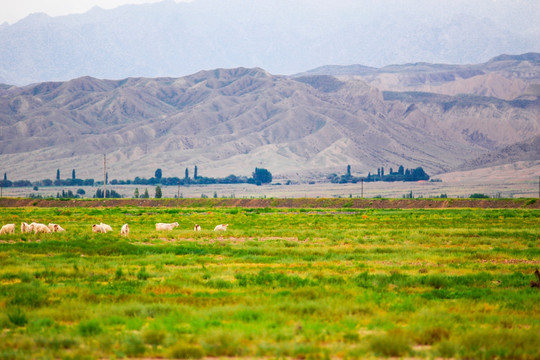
column 476, row 120
column 528, row 150
column 224, row 121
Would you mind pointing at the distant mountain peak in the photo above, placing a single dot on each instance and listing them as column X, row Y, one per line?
column 531, row 56
column 223, row 73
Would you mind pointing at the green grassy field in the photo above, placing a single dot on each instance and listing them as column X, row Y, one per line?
column 280, row 283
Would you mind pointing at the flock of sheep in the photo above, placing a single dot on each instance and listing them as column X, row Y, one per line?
column 97, row 228
column 33, row 227
column 103, row 228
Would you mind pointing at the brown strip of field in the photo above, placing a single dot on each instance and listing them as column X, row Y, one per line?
column 309, row 203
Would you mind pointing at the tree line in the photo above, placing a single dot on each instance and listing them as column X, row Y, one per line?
column 402, row 174
column 259, row 176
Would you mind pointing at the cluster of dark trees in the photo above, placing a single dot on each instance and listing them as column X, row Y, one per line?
column 145, row 195
column 401, row 174
column 63, row 195
column 259, row 176
column 68, row 194
column 111, row 194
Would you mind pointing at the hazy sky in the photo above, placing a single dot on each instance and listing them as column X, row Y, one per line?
column 12, row 11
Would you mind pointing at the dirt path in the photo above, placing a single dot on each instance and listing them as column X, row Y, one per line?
column 310, row 203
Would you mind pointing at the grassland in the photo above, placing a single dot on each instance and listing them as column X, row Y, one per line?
column 280, row 283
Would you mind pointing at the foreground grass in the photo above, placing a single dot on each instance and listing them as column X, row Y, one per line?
column 280, row 283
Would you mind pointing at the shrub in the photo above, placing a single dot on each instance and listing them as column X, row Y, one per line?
column 134, row 346
column 55, row 342
column 432, row 335
column 119, row 274
column 247, row 315
column 32, row 295
column 89, row 328
column 17, row 316
column 222, row 343
column 351, row 337
column 134, row 310
column 308, row 351
column 182, row 350
column 394, row 343
column 142, row 274
column 220, row 284
column 153, row 337
column 447, row 349
column 436, row 281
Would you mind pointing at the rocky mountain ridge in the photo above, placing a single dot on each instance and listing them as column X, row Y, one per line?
column 229, row 121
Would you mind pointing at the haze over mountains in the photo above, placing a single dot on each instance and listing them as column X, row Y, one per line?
column 229, row 121
column 282, row 37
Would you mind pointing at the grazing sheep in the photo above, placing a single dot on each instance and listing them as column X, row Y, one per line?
column 166, row 226
column 98, row 228
column 106, row 227
column 26, row 228
column 56, row 228
column 8, row 229
column 32, row 225
column 197, row 227
column 221, row 227
column 124, row 230
column 40, row 228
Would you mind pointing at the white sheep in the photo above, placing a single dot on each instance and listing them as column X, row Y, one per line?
column 98, row 228
column 26, row 228
column 124, row 230
column 166, row 226
column 221, row 227
column 106, row 227
column 8, row 229
column 40, row 228
column 197, row 227
column 55, row 227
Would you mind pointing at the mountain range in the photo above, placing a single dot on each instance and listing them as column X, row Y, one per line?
column 282, row 36
column 229, row 121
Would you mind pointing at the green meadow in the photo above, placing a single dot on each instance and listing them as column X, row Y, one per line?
column 279, row 283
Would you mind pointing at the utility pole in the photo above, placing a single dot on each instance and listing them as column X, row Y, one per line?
column 104, row 176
